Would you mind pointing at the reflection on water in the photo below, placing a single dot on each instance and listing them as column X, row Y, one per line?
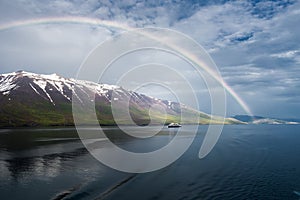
column 27, row 152
column 248, row 162
column 47, row 165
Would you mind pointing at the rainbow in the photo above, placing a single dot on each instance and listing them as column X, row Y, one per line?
column 61, row 20
column 105, row 23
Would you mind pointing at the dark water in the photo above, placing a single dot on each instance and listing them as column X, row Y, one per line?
column 248, row 162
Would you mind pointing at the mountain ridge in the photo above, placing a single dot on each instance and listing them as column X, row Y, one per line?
column 29, row 99
column 263, row 120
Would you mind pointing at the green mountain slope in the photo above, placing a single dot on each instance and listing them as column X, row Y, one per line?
column 28, row 99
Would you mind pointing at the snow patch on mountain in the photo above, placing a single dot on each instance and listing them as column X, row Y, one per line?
column 34, row 89
column 6, row 84
column 272, row 121
column 54, row 83
column 263, row 120
column 42, row 85
column 95, row 87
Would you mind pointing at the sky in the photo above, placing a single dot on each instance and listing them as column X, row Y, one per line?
column 255, row 44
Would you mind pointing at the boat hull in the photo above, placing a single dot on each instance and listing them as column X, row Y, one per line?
column 174, row 126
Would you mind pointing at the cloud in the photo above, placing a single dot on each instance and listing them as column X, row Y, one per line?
column 258, row 54
column 49, row 48
column 255, row 44
column 286, row 54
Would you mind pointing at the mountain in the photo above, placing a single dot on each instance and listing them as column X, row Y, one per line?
column 29, row 99
column 263, row 120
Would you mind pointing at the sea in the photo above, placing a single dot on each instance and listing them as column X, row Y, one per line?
column 247, row 162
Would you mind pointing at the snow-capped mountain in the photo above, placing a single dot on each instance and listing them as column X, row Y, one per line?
column 51, row 88
column 262, row 120
column 272, row 121
column 28, row 99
